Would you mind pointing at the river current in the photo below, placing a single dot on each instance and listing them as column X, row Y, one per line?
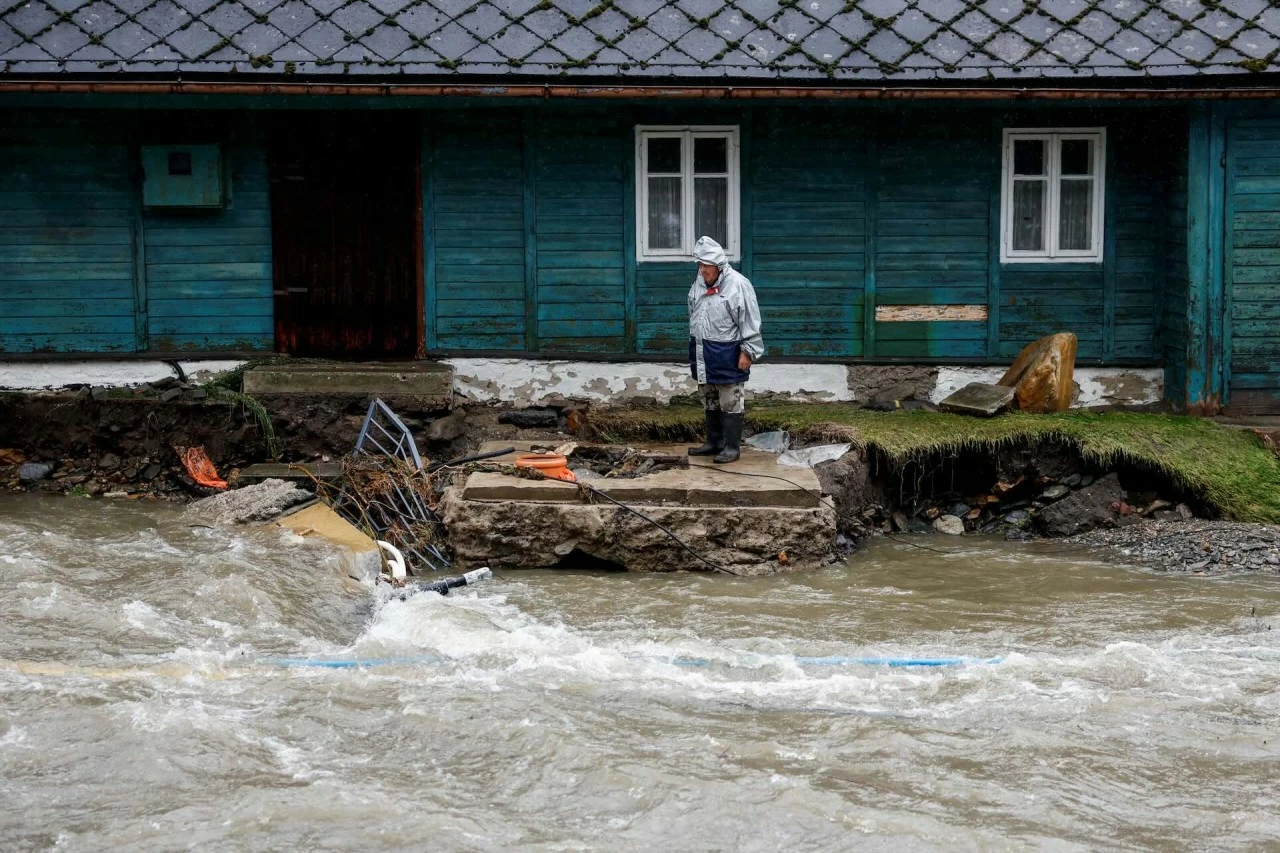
column 169, row 687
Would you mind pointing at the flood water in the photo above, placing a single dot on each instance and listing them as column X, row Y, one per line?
column 160, row 689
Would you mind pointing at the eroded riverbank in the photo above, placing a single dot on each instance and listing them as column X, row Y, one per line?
column 144, row 703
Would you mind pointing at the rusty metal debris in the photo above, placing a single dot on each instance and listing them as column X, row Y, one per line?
column 386, row 490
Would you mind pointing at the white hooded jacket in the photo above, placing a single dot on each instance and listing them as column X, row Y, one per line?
column 728, row 315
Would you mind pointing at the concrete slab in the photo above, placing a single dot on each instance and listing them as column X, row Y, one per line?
column 298, row 472
column 424, row 379
column 755, row 480
column 978, row 398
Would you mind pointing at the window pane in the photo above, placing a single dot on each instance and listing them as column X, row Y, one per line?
column 1077, row 157
column 711, row 209
column 1075, row 227
column 664, row 156
column 664, row 213
column 1028, row 215
column 1028, row 157
column 710, row 156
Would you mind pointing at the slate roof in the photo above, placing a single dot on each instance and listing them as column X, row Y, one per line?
column 715, row 41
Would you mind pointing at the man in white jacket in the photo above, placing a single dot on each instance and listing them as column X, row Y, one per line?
column 724, row 341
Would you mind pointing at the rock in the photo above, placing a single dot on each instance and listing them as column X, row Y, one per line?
column 1018, row 516
column 12, row 456
column 261, row 502
column 76, row 479
column 32, row 472
column 1054, row 493
column 1155, row 507
column 1086, row 480
column 453, row 425
column 165, row 383
column 949, row 525
column 1043, row 374
column 959, row 510
column 1184, row 512
column 1083, row 510
column 151, row 472
column 900, row 522
column 108, row 462
column 531, row 419
column 845, row 480
column 520, row 534
column 1072, row 480
column 979, row 399
column 170, row 395
column 197, row 394
column 98, row 393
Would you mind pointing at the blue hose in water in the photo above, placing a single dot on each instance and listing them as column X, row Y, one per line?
column 342, row 663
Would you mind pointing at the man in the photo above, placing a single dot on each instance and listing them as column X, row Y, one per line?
column 724, row 341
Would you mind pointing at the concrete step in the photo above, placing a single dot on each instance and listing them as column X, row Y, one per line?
column 303, row 473
column 429, row 381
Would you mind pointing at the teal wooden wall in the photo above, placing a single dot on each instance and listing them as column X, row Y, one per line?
column 83, row 268
column 208, row 272
column 66, row 236
column 1173, row 330
column 529, row 226
column 1252, row 268
column 843, row 210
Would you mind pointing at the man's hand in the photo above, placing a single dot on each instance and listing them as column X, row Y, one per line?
column 744, row 361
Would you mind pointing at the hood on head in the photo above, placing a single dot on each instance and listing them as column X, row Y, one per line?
column 708, row 251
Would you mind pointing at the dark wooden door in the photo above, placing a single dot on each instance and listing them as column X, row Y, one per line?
column 345, row 213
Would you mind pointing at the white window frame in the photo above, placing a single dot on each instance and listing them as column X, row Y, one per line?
column 688, row 133
column 1053, row 137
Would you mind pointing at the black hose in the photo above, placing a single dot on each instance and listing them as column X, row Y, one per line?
column 661, row 527
column 475, row 457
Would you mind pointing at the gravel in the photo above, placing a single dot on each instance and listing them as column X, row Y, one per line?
column 1200, row 547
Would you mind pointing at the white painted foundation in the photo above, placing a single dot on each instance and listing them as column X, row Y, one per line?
column 530, row 382
column 1098, row 386
column 52, row 375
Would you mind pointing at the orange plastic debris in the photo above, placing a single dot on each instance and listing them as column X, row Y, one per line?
column 200, row 466
column 552, row 465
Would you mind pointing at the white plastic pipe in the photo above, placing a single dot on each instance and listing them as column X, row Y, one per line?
column 395, row 559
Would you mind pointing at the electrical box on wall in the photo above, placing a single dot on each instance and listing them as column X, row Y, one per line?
column 182, row 176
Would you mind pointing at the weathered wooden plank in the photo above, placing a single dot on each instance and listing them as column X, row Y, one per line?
column 932, row 262
column 483, row 255
column 186, row 341
column 121, row 324
column 480, row 307
column 581, row 311
column 19, row 236
column 815, row 233
column 213, row 326
column 63, row 272
column 611, row 278
column 223, row 289
column 189, row 255
column 93, row 307
column 513, row 342
column 49, row 342
column 582, row 260
column 610, row 225
column 473, row 325
column 239, row 235
column 231, row 308
column 585, row 328
column 939, row 330
column 473, row 274
column 795, row 262
column 207, row 271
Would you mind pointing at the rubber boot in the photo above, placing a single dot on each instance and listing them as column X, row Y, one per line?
column 715, row 436
column 732, row 438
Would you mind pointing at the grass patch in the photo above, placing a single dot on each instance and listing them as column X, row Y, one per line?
column 1228, row 468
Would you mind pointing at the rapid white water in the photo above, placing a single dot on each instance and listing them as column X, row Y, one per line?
column 151, row 698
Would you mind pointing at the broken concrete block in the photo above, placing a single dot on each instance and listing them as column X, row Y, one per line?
column 978, row 398
column 262, row 502
column 1043, row 374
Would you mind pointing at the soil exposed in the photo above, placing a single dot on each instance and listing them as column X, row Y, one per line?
column 121, row 443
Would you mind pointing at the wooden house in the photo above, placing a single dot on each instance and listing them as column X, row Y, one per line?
column 904, row 181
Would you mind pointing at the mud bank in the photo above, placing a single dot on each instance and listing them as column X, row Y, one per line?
column 122, row 444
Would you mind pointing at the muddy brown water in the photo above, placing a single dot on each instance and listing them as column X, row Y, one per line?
column 156, row 693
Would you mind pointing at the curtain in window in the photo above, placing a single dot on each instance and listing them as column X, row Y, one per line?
column 665, row 230
column 1028, row 215
column 1075, row 221
column 711, row 209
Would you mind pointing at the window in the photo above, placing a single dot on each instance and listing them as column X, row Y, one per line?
column 1051, row 200
column 686, row 187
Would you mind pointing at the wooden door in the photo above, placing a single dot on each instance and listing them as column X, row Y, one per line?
column 346, row 240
